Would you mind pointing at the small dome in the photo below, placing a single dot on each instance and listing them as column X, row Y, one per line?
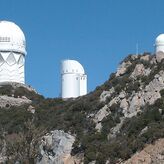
column 11, row 37
column 72, row 66
column 159, row 40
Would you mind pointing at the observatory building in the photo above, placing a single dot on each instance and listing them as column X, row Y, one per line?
column 159, row 47
column 12, row 52
column 159, row 43
column 73, row 79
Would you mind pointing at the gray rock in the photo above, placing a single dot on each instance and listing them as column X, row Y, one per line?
column 31, row 109
column 122, row 95
column 123, row 68
column 124, row 104
column 6, row 101
column 115, row 100
column 98, row 126
column 56, row 147
column 100, row 115
column 115, row 130
column 136, row 103
column 144, row 130
column 106, row 94
column 153, row 60
column 17, row 85
column 140, row 70
column 145, row 57
column 3, row 156
column 133, row 57
column 147, row 95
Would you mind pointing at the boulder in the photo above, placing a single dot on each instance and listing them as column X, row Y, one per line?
column 103, row 112
column 140, row 70
column 124, row 104
column 123, row 68
column 56, row 147
column 145, row 57
column 6, row 101
column 106, row 94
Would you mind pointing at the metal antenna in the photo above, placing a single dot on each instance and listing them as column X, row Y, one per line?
column 136, row 48
column 11, row 9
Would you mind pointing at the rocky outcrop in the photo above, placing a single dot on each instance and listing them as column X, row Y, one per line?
column 151, row 154
column 31, row 109
column 17, row 85
column 126, row 94
column 144, row 130
column 148, row 95
column 99, row 116
column 115, row 130
column 145, row 57
column 124, row 104
column 140, row 70
column 131, row 104
column 56, row 148
column 123, row 68
column 6, row 101
column 105, row 94
column 3, row 157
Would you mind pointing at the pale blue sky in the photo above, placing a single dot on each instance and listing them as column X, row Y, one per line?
column 97, row 33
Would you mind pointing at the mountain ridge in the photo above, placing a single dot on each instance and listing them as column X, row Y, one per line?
column 109, row 124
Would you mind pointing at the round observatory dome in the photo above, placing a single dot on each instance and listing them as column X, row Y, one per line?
column 11, row 37
column 159, row 40
column 71, row 66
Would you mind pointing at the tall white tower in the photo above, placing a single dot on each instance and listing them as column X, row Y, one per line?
column 73, row 79
column 12, row 52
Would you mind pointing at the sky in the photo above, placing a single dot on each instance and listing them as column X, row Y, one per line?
column 97, row 33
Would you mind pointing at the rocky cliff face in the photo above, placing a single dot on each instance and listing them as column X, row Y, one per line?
column 15, row 95
column 112, row 124
column 56, row 148
column 6, row 101
column 151, row 154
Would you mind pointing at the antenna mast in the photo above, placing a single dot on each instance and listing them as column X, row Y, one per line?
column 136, row 48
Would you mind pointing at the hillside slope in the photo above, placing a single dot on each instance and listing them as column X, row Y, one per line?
column 108, row 125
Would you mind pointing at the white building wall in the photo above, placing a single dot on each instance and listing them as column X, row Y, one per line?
column 74, row 80
column 70, row 86
column 83, row 85
column 159, row 48
column 159, row 43
column 11, row 67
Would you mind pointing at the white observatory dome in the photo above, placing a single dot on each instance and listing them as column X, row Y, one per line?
column 72, row 66
column 11, row 37
column 73, row 79
column 159, row 40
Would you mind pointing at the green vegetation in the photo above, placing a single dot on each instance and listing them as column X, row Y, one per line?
column 73, row 116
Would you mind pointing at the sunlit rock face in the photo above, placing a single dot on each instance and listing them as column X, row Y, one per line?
column 12, row 53
column 56, row 148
